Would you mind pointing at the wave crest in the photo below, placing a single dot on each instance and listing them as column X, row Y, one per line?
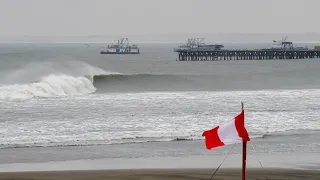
column 66, row 85
column 142, row 82
column 118, row 76
column 48, row 86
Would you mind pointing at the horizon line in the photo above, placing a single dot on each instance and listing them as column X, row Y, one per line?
column 146, row 34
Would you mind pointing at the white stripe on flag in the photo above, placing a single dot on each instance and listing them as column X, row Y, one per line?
column 228, row 133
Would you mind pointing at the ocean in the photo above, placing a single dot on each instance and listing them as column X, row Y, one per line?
column 66, row 102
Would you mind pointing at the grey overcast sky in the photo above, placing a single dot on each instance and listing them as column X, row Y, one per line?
column 113, row 17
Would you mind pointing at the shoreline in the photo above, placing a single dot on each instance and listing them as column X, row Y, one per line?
column 172, row 174
column 272, row 152
column 297, row 161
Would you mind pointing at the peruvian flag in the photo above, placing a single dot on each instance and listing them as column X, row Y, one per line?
column 229, row 133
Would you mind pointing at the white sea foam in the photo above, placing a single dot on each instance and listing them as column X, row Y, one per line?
column 51, row 85
column 155, row 116
column 75, row 78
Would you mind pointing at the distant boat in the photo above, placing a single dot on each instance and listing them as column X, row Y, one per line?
column 122, row 47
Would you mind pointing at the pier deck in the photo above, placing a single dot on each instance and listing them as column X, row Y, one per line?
column 199, row 55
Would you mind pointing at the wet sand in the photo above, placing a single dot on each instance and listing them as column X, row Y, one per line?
column 161, row 174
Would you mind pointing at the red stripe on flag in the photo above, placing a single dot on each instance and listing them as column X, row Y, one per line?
column 212, row 138
column 239, row 122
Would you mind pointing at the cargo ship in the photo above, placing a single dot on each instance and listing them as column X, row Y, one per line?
column 122, row 47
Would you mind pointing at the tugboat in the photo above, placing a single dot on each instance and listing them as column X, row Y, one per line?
column 122, row 47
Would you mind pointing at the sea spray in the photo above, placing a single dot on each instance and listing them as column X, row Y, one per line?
column 51, row 85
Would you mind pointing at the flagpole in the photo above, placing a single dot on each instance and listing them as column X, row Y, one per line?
column 244, row 154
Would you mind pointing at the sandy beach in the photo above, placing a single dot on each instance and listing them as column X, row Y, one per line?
column 178, row 174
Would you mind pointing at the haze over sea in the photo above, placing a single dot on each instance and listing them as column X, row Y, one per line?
column 61, row 102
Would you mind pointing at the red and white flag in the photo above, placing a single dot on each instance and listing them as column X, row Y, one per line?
column 229, row 133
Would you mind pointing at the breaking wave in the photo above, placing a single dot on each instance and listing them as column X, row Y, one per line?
column 146, row 139
column 50, row 79
column 48, row 86
column 67, row 85
column 99, row 142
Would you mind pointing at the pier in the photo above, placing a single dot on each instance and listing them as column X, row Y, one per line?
column 217, row 55
column 197, row 50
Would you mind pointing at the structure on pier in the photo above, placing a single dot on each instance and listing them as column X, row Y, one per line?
column 197, row 50
column 197, row 44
